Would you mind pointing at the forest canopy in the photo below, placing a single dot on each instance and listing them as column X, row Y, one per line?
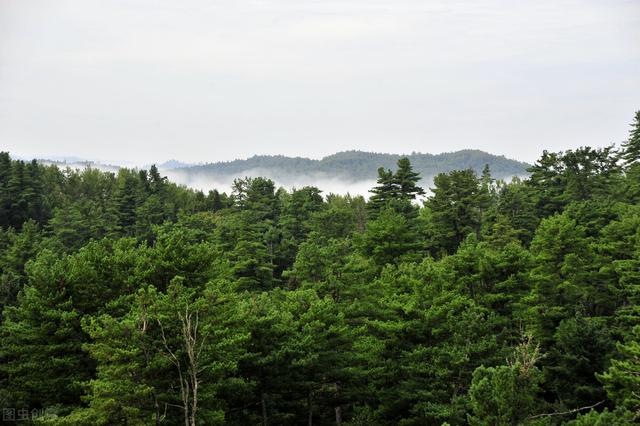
column 129, row 300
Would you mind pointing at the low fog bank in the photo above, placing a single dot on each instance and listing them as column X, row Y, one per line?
column 80, row 165
column 328, row 184
column 205, row 182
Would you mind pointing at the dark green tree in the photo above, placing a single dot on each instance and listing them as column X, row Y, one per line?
column 508, row 395
column 454, row 210
column 631, row 147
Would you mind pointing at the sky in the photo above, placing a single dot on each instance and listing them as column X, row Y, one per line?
column 141, row 81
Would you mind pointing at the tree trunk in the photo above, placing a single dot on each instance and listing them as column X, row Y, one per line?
column 310, row 407
column 157, row 407
column 263, row 401
column 338, row 408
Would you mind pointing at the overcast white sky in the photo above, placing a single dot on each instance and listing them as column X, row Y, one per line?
column 210, row 80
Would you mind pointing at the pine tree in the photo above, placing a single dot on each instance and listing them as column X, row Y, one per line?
column 21, row 248
column 405, row 180
column 215, row 201
column 433, row 339
column 157, row 182
column 507, row 395
column 126, row 201
column 389, row 239
column 130, row 371
column 631, row 148
column 383, row 193
column 5, row 198
column 18, row 204
column 396, row 190
column 454, row 209
column 559, row 275
column 622, row 379
column 295, row 223
column 41, row 357
column 580, row 351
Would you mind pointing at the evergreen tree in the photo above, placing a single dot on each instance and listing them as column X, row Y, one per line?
column 42, row 362
column 622, row 379
column 21, row 247
column 157, row 182
column 454, row 209
column 215, row 201
column 126, row 201
column 5, row 199
column 508, row 394
column 561, row 259
column 631, row 148
column 18, row 203
column 384, row 193
column 389, row 239
column 396, row 190
column 581, row 349
column 406, row 180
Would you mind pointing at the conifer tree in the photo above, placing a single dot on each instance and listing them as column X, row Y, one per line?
column 384, row 192
column 622, row 379
column 406, row 180
column 42, row 363
column 631, row 148
column 507, row 395
column 126, row 201
column 396, row 190
column 454, row 209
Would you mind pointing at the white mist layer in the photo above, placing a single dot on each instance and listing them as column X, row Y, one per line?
column 328, row 184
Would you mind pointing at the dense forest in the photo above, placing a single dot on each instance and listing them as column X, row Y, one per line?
column 129, row 300
column 354, row 165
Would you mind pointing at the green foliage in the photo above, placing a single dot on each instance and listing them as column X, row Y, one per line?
column 19, row 248
column 389, row 239
column 42, row 361
column 580, row 351
column 396, row 190
column 631, row 148
column 127, row 299
column 622, row 379
column 507, row 394
column 604, row 418
column 359, row 166
column 561, row 260
column 454, row 209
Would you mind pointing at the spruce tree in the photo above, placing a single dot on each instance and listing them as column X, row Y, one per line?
column 405, row 180
column 622, row 379
column 383, row 193
column 631, row 148
column 41, row 357
column 396, row 190
column 454, row 209
column 5, row 198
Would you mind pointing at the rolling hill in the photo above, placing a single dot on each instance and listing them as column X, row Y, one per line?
column 347, row 166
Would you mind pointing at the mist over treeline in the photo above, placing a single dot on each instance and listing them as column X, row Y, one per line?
column 359, row 165
column 326, row 183
column 349, row 172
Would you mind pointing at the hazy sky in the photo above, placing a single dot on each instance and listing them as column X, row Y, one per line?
column 210, row 80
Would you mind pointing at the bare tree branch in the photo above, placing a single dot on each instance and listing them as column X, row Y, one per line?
column 564, row 413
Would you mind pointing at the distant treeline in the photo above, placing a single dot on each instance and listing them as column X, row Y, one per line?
column 358, row 165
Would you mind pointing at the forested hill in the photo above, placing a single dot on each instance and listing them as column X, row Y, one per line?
column 358, row 165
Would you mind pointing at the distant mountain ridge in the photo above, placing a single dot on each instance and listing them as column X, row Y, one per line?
column 357, row 165
column 352, row 172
